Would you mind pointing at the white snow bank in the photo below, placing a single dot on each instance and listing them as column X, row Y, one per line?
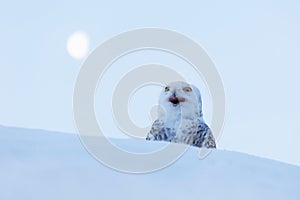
column 45, row 165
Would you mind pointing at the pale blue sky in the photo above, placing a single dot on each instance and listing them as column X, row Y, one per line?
column 254, row 44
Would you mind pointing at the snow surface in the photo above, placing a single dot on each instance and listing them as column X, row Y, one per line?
column 36, row 164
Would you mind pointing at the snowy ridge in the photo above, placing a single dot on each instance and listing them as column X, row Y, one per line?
column 38, row 164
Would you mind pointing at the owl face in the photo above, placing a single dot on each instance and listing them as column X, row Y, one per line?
column 180, row 97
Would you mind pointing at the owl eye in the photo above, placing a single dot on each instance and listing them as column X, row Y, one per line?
column 187, row 89
column 167, row 89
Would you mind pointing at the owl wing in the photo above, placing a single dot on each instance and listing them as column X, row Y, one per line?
column 204, row 137
column 158, row 132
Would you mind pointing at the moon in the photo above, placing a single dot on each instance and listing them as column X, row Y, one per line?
column 78, row 45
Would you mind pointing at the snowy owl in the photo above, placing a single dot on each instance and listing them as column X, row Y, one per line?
column 180, row 117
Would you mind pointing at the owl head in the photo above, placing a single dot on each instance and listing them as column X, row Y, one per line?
column 181, row 98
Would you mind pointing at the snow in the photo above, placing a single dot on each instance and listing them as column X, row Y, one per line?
column 37, row 164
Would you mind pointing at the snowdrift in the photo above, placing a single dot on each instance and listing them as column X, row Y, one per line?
column 38, row 164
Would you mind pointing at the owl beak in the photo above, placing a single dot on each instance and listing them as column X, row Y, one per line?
column 176, row 99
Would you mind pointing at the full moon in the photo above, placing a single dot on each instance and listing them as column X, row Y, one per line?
column 78, row 45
